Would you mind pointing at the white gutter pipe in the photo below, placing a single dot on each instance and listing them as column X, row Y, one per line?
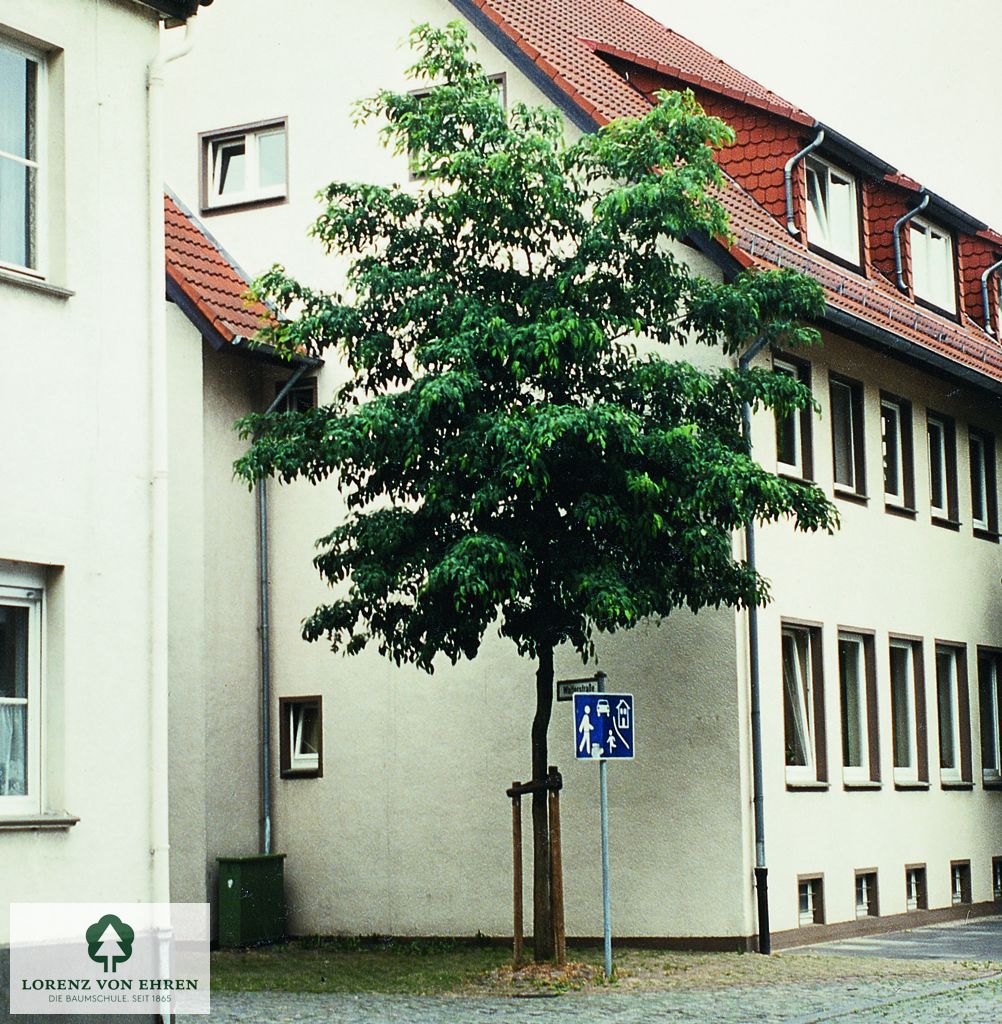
column 159, row 737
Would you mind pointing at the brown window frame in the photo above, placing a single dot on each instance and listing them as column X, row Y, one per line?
column 990, row 531
column 857, row 418
column 922, row 894
column 997, row 879
column 873, row 901
column 819, row 728
column 818, row 899
column 805, row 418
column 872, row 775
column 951, row 520
column 919, row 712
column 991, row 778
column 286, row 770
column 966, row 897
column 963, row 707
column 906, row 506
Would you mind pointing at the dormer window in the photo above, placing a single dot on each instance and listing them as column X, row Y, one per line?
column 933, row 275
column 832, row 210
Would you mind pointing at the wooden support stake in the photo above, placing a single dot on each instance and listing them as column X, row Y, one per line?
column 516, row 846
column 557, row 876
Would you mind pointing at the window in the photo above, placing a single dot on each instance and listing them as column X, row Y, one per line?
column 301, row 397
column 866, row 893
column 857, row 693
column 847, row 435
column 997, row 878
column 793, row 433
column 832, row 210
column 21, row 78
column 20, row 700
column 953, row 714
column 942, row 468
column 915, row 889
column 933, row 277
column 960, row 881
column 984, row 496
column 810, row 892
column 990, row 701
column 246, row 164
column 907, row 712
column 803, row 704
column 896, row 445
column 301, row 737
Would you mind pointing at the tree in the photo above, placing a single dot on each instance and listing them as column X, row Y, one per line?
column 513, row 445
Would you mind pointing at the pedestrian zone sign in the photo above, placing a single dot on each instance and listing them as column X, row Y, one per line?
column 603, row 726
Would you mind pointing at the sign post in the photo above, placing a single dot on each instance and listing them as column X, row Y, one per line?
column 603, row 731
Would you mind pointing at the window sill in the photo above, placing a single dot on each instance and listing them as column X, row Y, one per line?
column 993, row 783
column 955, row 784
column 38, row 822
column 816, row 787
column 242, row 204
column 301, row 773
column 848, row 495
column 35, row 284
column 900, row 510
column 862, row 784
column 990, row 535
column 795, row 478
column 947, row 524
column 911, row 785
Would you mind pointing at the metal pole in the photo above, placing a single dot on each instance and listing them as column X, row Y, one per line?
column 516, row 846
column 603, row 805
column 755, row 688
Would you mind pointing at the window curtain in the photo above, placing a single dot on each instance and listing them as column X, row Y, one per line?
column 12, row 750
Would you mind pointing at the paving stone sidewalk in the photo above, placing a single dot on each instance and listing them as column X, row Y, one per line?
column 885, row 1002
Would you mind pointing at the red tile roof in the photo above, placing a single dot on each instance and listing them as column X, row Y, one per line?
column 212, row 283
column 582, row 46
column 566, row 38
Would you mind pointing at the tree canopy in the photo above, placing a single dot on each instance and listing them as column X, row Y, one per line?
column 512, row 440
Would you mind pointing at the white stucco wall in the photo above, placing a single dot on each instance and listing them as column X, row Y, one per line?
column 75, row 416
column 893, row 575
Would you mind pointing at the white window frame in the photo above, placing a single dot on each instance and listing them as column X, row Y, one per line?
column 802, row 701
column 212, row 146
column 934, row 279
column 988, row 677
column 820, row 224
column 977, row 443
column 32, row 598
column 950, row 689
column 39, row 163
column 795, row 468
column 938, row 457
column 300, row 761
column 860, row 772
column 895, row 457
column 909, row 772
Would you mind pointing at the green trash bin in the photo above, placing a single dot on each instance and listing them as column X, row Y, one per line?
column 251, row 899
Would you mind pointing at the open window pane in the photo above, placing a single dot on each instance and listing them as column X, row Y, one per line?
column 937, row 467
column 231, row 168
column 789, row 442
column 979, row 482
column 832, row 210
column 890, row 432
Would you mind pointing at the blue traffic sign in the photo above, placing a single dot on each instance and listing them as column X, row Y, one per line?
column 603, row 726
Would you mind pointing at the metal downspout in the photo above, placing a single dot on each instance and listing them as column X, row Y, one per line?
column 791, row 225
column 984, row 295
column 264, row 630
column 898, row 225
column 159, row 451
column 758, row 796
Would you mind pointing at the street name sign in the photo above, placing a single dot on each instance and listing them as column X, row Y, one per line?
column 566, row 688
column 603, row 726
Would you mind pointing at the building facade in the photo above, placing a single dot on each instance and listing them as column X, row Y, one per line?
column 879, row 650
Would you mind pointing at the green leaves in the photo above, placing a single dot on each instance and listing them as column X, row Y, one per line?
column 505, row 454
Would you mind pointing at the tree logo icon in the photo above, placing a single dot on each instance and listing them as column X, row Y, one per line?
column 109, row 942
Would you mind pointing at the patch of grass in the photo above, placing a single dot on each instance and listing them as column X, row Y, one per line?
column 356, row 964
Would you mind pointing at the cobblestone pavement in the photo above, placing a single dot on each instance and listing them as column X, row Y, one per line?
column 897, row 1002
column 980, row 939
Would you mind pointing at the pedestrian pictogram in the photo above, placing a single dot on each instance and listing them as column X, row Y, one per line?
column 603, row 725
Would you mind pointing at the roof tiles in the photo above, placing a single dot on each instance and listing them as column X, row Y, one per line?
column 213, row 284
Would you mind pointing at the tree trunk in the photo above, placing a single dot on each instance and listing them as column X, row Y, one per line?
column 542, row 917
